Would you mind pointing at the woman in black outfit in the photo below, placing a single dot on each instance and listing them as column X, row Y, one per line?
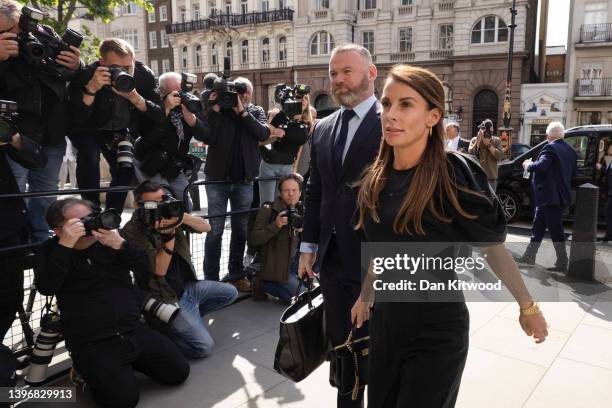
column 416, row 192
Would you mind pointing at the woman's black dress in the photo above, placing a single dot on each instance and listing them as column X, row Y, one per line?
column 418, row 350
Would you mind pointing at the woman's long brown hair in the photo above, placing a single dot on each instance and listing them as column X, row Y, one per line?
column 432, row 184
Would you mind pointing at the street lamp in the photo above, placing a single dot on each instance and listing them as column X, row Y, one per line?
column 505, row 132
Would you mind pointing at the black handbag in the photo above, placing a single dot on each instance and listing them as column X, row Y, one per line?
column 303, row 344
column 349, row 365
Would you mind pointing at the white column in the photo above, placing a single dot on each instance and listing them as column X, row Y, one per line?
column 188, row 11
column 175, row 16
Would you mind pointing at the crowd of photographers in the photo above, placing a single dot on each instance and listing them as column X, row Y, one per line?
column 129, row 298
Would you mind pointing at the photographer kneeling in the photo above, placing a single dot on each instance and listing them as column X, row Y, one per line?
column 162, row 152
column 159, row 226
column 88, row 269
column 276, row 232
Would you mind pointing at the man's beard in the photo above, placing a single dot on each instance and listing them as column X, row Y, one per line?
column 351, row 97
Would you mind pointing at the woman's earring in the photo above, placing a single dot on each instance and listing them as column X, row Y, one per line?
column 430, row 131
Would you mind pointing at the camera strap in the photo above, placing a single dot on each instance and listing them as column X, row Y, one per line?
column 176, row 118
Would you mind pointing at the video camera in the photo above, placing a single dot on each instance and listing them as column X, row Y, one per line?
column 39, row 45
column 149, row 212
column 487, row 127
column 290, row 99
column 108, row 219
column 8, row 119
column 191, row 102
column 121, row 79
column 227, row 91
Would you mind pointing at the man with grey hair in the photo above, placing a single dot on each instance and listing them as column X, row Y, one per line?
column 454, row 142
column 233, row 136
column 162, row 152
column 343, row 145
column 551, row 180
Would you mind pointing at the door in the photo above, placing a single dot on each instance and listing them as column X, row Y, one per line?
column 486, row 106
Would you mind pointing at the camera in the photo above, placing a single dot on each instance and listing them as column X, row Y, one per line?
column 148, row 212
column 44, row 347
column 487, row 127
column 294, row 219
column 191, row 102
column 166, row 312
column 39, row 45
column 290, row 99
column 8, row 120
column 108, row 219
column 208, row 81
column 121, row 79
column 125, row 149
column 227, row 91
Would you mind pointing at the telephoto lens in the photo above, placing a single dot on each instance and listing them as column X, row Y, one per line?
column 122, row 81
column 166, row 312
column 44, row 347
column 125, row 153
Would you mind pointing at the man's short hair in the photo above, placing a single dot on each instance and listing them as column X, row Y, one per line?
column 365, row 54
column 452, row 123
column 164, row 77
column 556, row 127
column 245, row 81
column 116, row 45
column 10, row 10
column 293, row 176
column 146, row 186
column 57, row 210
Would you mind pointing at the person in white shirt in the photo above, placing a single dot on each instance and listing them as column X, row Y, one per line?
column 68, row 166
column 454, row 142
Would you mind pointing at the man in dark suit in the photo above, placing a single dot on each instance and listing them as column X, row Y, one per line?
column 343, row 144
column 454, row 142
column 552, row 172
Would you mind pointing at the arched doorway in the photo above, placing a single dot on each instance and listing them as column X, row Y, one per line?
column 486, row 106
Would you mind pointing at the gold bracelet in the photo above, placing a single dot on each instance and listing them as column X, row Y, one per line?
column 531, row 310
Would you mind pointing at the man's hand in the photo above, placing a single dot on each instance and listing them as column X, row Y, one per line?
column 167, row 225
column 486, row 141
column 70, row 59
column 8, row 46
column 239, row 106
column 534, row 325
column 111, row 238
column 360, row 312
column 189, row 117
column 70, row 233
column 281, row 219
column 306, row 263
column 101, row 78
column 526, row 163
column 213, row 97
column 171, row 101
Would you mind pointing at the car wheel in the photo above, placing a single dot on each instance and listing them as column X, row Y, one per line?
column 510, row 204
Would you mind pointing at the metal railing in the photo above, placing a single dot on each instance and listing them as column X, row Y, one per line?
column 593, row 87
column 231, row 20
column 440, row 54
column 596, row 33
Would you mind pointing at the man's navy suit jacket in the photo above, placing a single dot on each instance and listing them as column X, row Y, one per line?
column 553, row 173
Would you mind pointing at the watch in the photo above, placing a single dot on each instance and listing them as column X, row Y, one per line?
column 531, row 310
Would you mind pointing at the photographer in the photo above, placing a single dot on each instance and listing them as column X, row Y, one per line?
column 40, row 92
column 276, row 232
column 233, row 135
column 112, row 103
column 281, row 150
column 100, row 306
column 167, row 247
column 162, row 152
column 488, row 149
column 14, row 221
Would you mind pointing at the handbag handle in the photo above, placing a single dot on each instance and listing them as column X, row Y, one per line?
column 309, row 288
column 349, row 345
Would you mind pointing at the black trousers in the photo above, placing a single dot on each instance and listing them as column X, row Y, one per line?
column 417, row 354
column 89, row 147
column 339, row 295
column 551, row 218
column 108, row 366
column 609, row 218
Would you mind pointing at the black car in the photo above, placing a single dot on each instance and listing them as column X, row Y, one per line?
column 516, row 149
column 591, row 144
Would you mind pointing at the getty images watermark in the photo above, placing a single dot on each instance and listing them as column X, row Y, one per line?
column 467, row 271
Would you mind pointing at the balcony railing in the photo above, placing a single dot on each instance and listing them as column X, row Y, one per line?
column 594, row 87
column 446, row 5
column 231, row 20
column 282, row 64
column 440, row 54
column 596, row 33
column 367, row 14
column 320, row 13
column 405, row 10
column 402, row 56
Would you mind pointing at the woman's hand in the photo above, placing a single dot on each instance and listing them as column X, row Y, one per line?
column 360, row 312
column 534, row 325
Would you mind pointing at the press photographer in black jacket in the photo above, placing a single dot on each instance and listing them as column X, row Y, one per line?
column 100, row 307
column 162, row 151
column 103, row 116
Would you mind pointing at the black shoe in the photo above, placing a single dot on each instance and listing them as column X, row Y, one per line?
column 558, row 268
column 525, row 259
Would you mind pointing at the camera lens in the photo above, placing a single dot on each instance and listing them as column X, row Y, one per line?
column 125, row 154
column 122, row 81
column 109, row 220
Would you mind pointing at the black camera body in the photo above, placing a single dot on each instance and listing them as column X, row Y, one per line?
column 121, row 79
column 8, row 120
column 190, row 101
column 149, row 212
column 227, row 91
column 39, row 45
column 290, row 99
column 294, row 218
column 487, row 127
column 108, row 219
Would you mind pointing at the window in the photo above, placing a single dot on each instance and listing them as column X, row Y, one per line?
column 265, row 50
column 244, row 7
column 322, row 4
column 196, row 12
column 406, row 2
column 165, row 65
column 589, row 118
column 321, row 43
column 367, row 40
column 127, row 9
column 282, row 4
column 154, row 66
column 198, row 56
column 282, row 49
column 369, row 4
column 131, row 36
column 405, row 39
column 580, row 144
column 183, row 14
column 244, row 55
column 265, row 5
column 229, row 50
column 591, row 71
column 214, row 58
column 596, row 13
column 152, row 39
column 489, row 29
column 445, row 37
column 164, row 38
column 184, row 52
column 163, row 14
column 151, row 15
column 228, row 7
